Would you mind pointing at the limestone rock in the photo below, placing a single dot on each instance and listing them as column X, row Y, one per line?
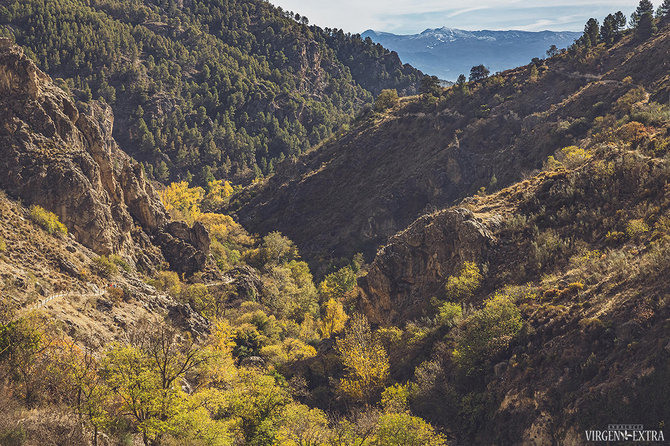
column 63, row 157
column 186, row 249
column 417, row 262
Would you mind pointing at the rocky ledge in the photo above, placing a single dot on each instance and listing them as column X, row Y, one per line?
column 61, row 155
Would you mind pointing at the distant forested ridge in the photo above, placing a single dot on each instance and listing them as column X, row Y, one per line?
column 205, row 89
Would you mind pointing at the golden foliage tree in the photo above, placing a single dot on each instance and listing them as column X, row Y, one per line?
column 219, row 193
column 333, row 318
column 365, row 360
column 182, row 202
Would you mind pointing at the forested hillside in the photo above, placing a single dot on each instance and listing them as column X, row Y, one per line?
column 206, row 89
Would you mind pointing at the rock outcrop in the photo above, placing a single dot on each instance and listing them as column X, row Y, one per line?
column 63, row 158
column 185, row 249
column 417, row 262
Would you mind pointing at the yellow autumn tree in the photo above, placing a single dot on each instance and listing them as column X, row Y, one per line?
column 365, row 360
column 226, row 229
column 333, row 318
column 219, row 193
column 182, row 202
column 302, row 426
column 465, row 284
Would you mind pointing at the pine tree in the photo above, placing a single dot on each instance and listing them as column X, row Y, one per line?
column 608, row 31
column 478, row 73
column 553, row 51
column 646, row 26
column 621, row 21
column 591, row 31
column 645, row 7
column 663, row 11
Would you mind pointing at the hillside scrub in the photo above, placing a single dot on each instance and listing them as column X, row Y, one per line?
column 47, row 220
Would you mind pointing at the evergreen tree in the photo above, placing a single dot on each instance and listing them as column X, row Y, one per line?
column 608, row 31
column 621, row 21
column 645, row 7
column 646, row 26
column 663, row 11
column 430, row 85
column 591, row 31
column 479, row 73
column 552, row 51
column 199, row 97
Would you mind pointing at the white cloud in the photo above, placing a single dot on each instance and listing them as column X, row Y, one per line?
column 466, row 10
column 411, row 16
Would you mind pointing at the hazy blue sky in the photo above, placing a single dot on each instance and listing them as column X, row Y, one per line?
column 413, row 16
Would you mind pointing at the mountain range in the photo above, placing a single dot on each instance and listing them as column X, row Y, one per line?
column 447, row 52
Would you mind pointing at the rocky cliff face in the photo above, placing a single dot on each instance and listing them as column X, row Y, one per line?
column 64, row 159
column 417, row 262
column 583, row 253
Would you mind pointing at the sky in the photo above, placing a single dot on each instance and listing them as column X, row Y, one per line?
column 414, row 16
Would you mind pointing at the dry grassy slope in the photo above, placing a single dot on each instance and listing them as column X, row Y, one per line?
column 356, row 191
column 36, row 265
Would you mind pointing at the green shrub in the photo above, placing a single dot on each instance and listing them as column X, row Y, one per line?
column 449, row 314
column 47, row 220
column 486, row 333
column 104, row 267
column 336, row 285
column 386, row 99
column 118, row 260
column 465, row 284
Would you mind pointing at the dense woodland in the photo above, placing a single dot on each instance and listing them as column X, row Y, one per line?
column 206, row 89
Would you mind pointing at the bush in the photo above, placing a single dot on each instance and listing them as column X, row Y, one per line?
column 116, row 294
column 636, row 227
column 625, row 103
column 118, row 260
column 486, row 333
column 386, row 99
column 573, row 156
column 47, row 220
column 167, row 281
column 464, row 285
column 104, row 267
column 449, row 314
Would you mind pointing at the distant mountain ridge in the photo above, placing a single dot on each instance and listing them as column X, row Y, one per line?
column 448, row 52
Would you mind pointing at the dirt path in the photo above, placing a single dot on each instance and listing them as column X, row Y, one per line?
column 94, row 291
